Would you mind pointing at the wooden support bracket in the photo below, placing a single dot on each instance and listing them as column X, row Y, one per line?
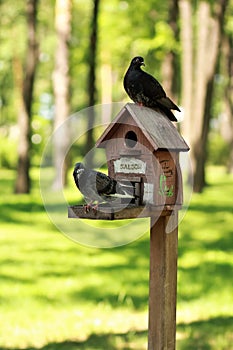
column 120, row 212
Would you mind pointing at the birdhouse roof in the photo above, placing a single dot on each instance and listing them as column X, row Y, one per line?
column 155, row 126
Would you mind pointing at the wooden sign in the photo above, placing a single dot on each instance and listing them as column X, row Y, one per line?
column 129, row 166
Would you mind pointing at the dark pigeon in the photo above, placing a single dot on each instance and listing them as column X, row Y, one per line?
column 96, row 187
column 145, row 90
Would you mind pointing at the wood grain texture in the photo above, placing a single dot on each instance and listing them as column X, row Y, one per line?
column 163, row 285
column 106, row 212
column 154, row 125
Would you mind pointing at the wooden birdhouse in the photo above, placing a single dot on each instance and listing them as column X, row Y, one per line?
column 142, row 147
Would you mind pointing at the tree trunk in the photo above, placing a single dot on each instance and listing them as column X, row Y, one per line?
column 209, row 36
column 169, row 63
column 61, row 86
column 92, row 82
column 209, row 60
column 106, row 92
column 227, row 123
column 186, row 37
column 22, row 184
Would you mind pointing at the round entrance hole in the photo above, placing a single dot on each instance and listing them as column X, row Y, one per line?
column 131, row 139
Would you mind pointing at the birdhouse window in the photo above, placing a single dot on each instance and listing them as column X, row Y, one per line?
column 131, row 139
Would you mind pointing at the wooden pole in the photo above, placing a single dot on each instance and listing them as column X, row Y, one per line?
column 163, row 284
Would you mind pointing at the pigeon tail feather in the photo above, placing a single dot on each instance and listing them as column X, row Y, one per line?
column 168, row 112
column 167, row 102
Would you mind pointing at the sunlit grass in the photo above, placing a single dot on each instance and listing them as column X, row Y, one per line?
column 56, row 294
column 206, row 266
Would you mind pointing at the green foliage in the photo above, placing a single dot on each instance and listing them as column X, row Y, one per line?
column 41, row 131
column 218, row 150
column 12, row 44
column 123, row 34
column 126, row 28
column 160, row 44
column 8, row 152
column 228, row 22
column 56, row 294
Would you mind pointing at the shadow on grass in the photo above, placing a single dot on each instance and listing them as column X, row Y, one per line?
column 206, row 277
column 211, row 334
column 210, row 208
column 11, row 212
column 112, row 341
column 21, row 211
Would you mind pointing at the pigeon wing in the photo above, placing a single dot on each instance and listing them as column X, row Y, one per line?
column 104, row 184
column 133, row 84
column 86, row 185
column 152, row 88
column 168, row 103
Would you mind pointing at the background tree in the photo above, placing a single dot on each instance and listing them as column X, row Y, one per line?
column 203, row 68
column 121, row 36
column 22, row 184
column 170, row 65
column 227, row 115
column 61, row 86
column 92, row 90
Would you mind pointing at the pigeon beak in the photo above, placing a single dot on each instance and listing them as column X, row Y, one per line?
column 143, row 64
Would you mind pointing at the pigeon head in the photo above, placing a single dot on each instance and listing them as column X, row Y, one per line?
column 78, row 168
column 137, row 62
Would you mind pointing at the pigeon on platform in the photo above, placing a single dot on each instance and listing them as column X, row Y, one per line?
column 145, row 90
column 97, row 187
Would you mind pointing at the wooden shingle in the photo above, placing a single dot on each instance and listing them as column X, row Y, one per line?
column 156, row 127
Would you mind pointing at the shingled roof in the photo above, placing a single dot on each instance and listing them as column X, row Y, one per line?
column 155, row 126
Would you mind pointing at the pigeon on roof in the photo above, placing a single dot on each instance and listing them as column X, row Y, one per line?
column 145, row 90
column 97, row 187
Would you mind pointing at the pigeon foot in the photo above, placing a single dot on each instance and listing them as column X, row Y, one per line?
column 87, row 207
column 95, row 208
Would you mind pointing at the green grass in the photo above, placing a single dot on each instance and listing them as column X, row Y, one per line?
column 56, row 294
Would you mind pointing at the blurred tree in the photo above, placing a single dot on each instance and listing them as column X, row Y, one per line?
column 22, row 184
column 199, row 82
column 186, row 37
column 92, row 82
column 61, row 86
column 79, row 48
column 10, row 51
column 121, row 35
column 169, row 64
column 227, row 123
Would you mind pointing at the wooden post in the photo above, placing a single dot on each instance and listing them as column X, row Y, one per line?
column 163, row 284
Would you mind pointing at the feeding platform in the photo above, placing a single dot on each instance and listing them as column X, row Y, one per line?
column 120, row 212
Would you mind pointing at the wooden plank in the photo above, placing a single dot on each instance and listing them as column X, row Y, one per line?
column 130, row 152
column 179, row 182
column 79, row 212
column 157, row 128
column 163, row 285
column 105, row 212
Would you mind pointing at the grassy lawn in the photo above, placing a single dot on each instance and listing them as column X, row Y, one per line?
column 57, row 294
